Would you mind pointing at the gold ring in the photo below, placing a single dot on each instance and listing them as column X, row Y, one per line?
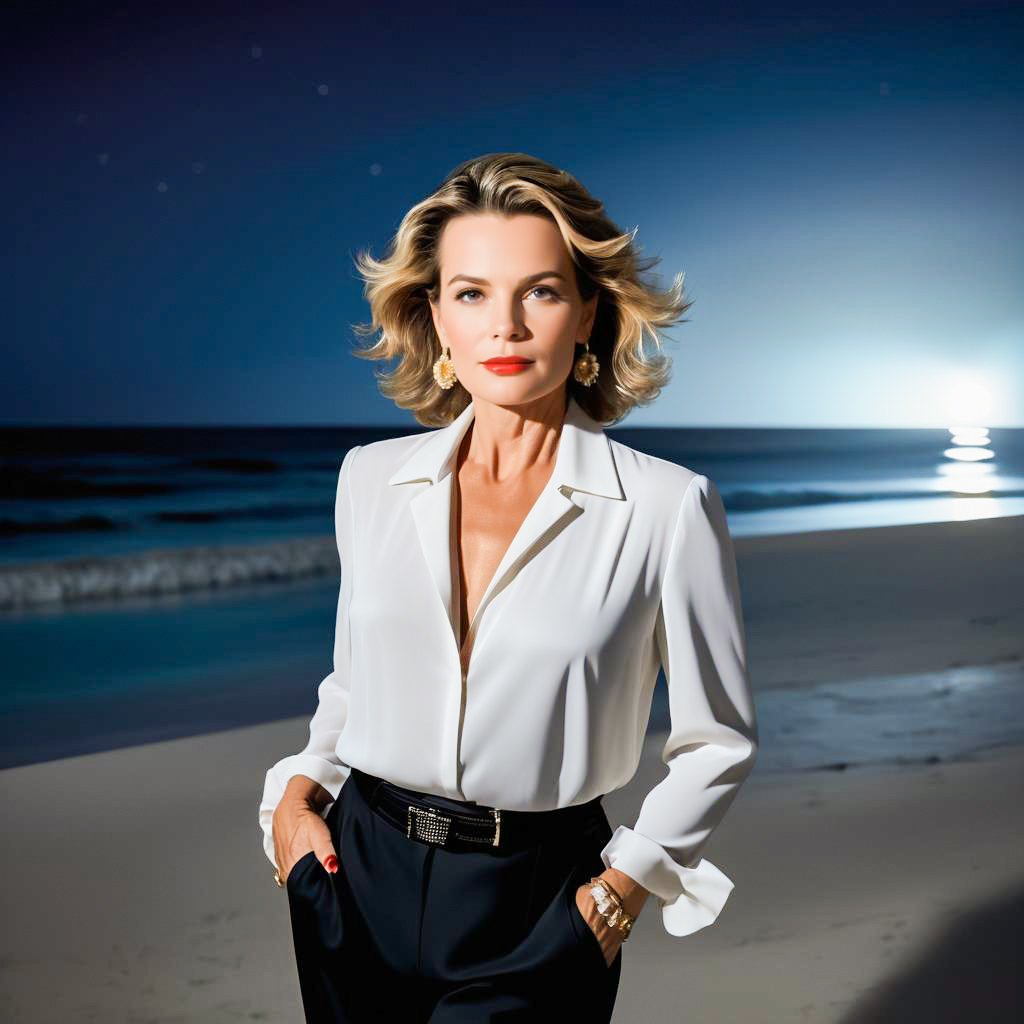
column 277, row 880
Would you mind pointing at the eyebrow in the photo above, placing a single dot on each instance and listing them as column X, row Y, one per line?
column 525, row 280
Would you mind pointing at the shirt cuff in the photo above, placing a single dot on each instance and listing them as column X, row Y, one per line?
column 690, row 898
column 329, row 775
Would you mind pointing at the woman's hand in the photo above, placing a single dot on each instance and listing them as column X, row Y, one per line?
column 633, row 896
column 298, row 827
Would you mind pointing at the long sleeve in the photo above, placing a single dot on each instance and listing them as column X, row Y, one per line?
column 317, row 760
column 712, row 741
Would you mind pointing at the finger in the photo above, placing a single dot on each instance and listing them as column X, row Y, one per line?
column 282, row 848
column 278, row 862
column 323, row 846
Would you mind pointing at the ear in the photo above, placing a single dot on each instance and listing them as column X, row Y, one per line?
column 589, row 315
column 435, row 315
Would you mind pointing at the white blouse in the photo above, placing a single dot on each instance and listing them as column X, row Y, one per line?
column 624, row 563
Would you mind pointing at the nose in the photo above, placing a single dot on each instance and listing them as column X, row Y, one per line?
column 509, row 320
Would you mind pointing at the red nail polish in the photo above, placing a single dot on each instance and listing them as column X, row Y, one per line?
column 331, row 864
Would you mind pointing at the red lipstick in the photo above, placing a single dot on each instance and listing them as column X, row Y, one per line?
column 506, row 365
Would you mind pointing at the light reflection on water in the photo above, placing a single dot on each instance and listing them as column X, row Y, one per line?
column 971, row 467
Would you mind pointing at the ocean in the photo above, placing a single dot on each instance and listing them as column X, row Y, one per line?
column 165, row 581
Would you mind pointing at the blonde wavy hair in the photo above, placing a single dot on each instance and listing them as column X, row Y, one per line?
column 605, row 261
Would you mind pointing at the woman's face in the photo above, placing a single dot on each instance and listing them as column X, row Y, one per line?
column 507, row 288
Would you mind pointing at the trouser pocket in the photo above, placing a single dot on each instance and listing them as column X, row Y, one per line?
column 313, row 898
column 584, row 934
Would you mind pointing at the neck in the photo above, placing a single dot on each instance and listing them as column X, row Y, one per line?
column 506, row 441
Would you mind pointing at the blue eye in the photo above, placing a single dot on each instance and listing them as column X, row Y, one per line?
column 538, row 288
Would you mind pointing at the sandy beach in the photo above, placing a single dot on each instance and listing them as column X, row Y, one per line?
column 852, row 604
column 136, row 888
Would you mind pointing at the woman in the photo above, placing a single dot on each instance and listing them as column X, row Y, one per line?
column 510, row 585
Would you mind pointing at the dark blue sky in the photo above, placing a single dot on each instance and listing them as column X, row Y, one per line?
column 185, row 193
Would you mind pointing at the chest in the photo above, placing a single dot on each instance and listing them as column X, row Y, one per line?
column 486, row 519
column 453, row 572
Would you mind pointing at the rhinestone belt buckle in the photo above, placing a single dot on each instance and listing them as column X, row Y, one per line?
column 431, row 827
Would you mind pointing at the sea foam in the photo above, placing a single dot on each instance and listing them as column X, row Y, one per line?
column 164, row 571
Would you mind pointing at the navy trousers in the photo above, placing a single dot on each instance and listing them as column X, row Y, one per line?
column 412, row 931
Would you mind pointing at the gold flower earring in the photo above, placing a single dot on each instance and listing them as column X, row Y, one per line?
column 444, row 370
column 586, row 368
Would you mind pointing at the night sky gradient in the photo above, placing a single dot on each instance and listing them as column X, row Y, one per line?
column 185, row 191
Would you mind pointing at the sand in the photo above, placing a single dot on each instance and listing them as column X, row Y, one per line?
column 136, row 888
column 849, row 604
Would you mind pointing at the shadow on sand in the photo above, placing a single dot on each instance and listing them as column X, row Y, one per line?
column 971, row 971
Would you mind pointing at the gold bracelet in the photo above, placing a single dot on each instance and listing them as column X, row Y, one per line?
column 607, row 899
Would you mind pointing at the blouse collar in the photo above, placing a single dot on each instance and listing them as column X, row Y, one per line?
column 583, row 459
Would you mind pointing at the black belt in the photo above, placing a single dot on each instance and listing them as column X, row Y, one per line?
column 489, row 829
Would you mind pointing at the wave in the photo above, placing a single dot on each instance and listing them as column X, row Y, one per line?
column 281, row 511
column 78, row 524
column 164, row 571
column 737, row 500
column 235, row 464
column 136, row 481
column 21, row 484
